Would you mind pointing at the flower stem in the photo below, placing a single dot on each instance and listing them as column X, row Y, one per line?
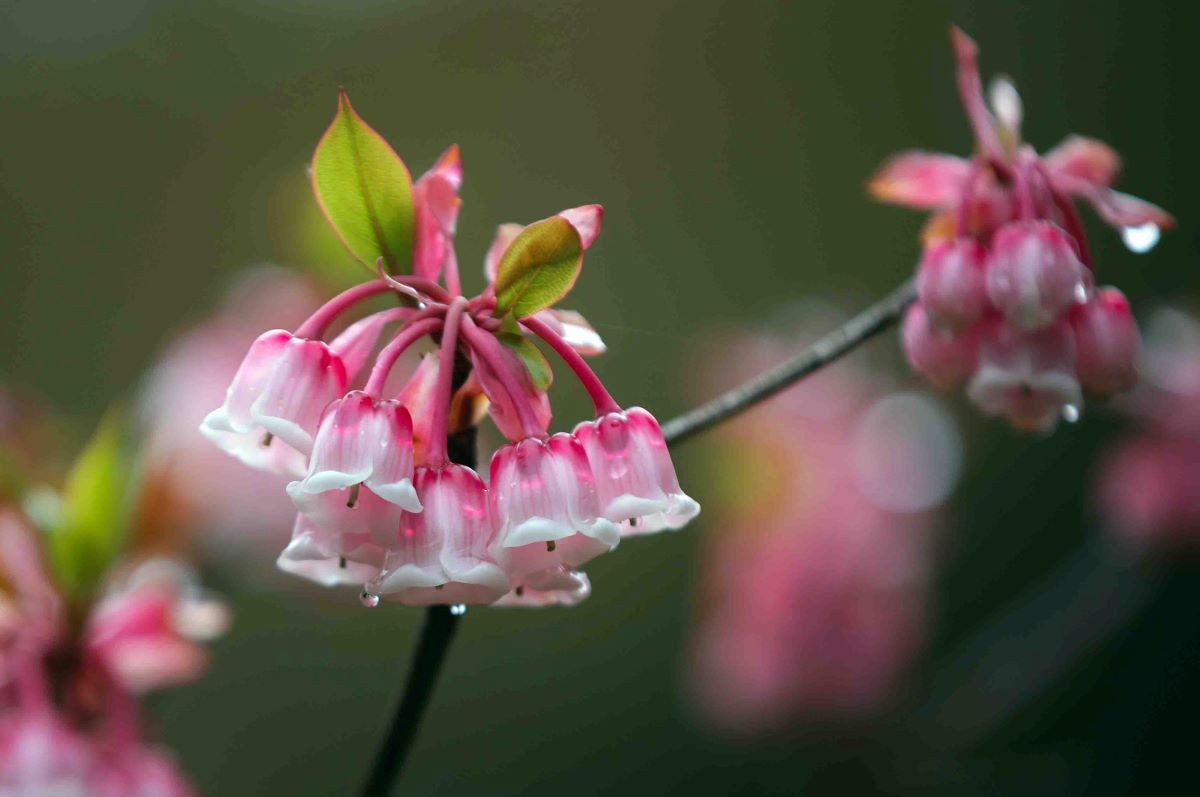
column 417, row 327
column 436, row 635
column 831, row 347
column 600, row 396
column 319, row 321
column 436, row 455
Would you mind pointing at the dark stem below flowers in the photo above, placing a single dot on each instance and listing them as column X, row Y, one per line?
column 441, row 622
column 832, row 346
column 436, row 635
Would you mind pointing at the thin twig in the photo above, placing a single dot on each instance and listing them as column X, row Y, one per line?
column 832, row 346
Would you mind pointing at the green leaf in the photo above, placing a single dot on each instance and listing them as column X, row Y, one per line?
column 531, row 356
column 91, row 524
column 539, row 267
column 365, row 191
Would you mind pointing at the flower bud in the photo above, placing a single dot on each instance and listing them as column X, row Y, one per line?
column 1034, row 274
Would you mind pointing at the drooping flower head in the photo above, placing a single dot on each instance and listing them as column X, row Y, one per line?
column 1007, row 301
column 86, row 627
column 385, row 484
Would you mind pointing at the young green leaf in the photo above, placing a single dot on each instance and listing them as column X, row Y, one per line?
column 87, row 538
column 539, row 267
column 364, row 190
column 531, row 356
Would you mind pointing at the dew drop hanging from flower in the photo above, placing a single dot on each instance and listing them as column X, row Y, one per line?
column 1007, row 302
column 380, row 503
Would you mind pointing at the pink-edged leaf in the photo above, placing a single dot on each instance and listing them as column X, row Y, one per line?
column 1084, row 159
column 364, row 190
column 586, row 221
column 436, row 204
column 505, row 234
column 919, row 179
column 539, row 267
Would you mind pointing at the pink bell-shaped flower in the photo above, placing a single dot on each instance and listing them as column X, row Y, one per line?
column 951, row 283
column 635, row 478
column 1034, row 274
column 443, row 554
column 1027, row 377
column 543, row 490
column 362, row 440
column 278, row 392
column 560, row 586
column 148, row 631
column 1106, row 342
column 335, row 544
column 945, row 358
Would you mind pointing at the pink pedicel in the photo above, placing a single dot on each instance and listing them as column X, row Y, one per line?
column 1028, row 378
column 1107, row 343
column 951, row 283
column 635, row 478
column 364, row 441
column 279, row 392
column 1018, row 208
column 444, row 553
column 543, row 491
column 1034, row 275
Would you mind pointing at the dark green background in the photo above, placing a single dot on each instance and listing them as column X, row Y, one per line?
column 149, row 150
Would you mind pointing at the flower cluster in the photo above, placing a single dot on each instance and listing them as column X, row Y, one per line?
column 71, row 674
column 1007, row 300
column 381, row 500
column 814, row 592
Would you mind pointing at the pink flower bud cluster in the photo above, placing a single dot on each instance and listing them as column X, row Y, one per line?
column 1007, row 303
column 68, row 694
column 380, row 501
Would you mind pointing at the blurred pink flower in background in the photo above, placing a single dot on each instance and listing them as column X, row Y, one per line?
column 190, row 485
column 1148, row 483
column 68, row 684
column 814, row 579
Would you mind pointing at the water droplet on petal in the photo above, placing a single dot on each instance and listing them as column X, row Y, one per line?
column 1070, row 413
column 1081, row 293
column 1142, row 238
column 458, row 609
column 369, row 599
